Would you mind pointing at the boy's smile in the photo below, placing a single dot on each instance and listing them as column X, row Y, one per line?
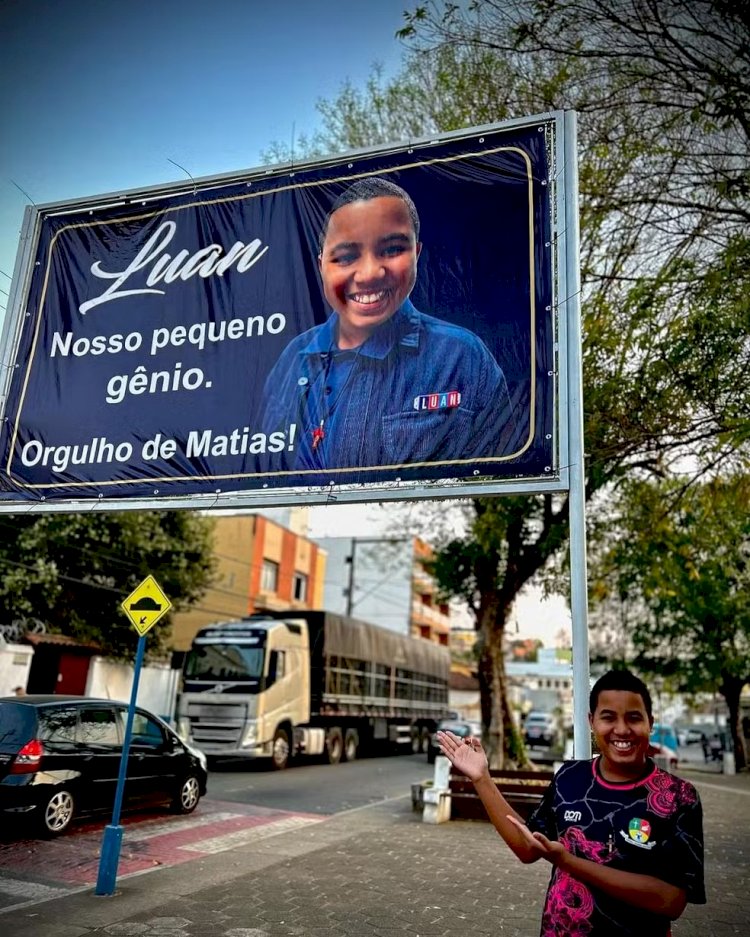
column 622, row 730
column 368, row 265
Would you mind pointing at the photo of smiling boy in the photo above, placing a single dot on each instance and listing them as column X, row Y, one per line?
column 381, row 383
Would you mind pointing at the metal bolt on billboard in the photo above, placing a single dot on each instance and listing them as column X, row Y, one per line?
column 355, row 322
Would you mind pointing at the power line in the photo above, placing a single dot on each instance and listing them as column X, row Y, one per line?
column 81, row 582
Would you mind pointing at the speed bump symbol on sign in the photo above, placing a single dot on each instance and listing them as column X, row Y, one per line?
column 145, row 605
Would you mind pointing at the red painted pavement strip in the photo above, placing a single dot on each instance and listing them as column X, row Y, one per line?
column 73, row 859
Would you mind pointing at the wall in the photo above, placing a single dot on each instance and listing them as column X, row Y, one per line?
column 228, row 599
column 157, row 687
column 15, row 663
column 240, row 544
column 292, row 554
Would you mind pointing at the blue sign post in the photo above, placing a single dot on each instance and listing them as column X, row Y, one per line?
column 144, row 607
column 110, row 854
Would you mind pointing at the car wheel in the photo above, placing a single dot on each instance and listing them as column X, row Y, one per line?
column 187, row 795
column 56, row 813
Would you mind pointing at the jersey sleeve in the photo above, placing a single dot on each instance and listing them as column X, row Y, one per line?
column 542, row 820
column 683, row 853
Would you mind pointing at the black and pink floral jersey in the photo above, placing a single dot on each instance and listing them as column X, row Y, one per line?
column 653, row 826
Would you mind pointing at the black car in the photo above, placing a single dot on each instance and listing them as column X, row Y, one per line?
column 60, row 757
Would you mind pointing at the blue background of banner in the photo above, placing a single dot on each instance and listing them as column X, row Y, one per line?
column 473, row 271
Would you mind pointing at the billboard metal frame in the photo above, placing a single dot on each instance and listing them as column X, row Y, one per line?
column 566, row 476
column 556, row 480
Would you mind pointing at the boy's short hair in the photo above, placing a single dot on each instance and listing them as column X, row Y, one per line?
column 620, row 680
column 365, row 189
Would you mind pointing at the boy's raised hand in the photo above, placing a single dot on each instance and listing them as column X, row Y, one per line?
column 466, row 755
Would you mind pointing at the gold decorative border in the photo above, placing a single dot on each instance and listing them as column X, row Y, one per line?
column 293, row 472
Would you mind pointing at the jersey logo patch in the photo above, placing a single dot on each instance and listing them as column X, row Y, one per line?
column 572, row 816
column 638, row 833
column 443, row 400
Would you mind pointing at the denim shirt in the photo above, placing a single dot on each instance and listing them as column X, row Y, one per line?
column 418, row 390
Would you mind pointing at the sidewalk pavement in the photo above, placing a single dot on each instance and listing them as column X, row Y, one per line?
column 379, row 872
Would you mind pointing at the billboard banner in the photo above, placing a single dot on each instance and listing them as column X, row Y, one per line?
column 351, row 322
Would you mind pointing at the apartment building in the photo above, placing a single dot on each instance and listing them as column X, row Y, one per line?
column 260, row 566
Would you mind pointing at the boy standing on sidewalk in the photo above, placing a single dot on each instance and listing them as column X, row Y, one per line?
column 624, row 838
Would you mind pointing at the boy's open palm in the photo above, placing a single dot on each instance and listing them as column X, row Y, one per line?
column 466, row 755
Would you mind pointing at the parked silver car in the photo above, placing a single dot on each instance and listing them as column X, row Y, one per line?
column 540, row 728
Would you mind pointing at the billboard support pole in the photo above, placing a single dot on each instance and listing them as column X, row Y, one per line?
column 577, row 494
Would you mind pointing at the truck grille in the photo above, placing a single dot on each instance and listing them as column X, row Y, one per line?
column 219, row 711
column 220, row 724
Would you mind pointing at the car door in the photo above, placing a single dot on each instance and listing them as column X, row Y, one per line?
column 99, row 739
column 154, row 762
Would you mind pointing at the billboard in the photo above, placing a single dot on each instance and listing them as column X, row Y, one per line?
column 385, row 317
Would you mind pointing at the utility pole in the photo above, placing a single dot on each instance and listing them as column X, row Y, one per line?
column 352, row 559
column 350, row 589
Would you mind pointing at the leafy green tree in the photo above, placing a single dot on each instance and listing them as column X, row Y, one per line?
column 660, row 89
column 681, row 560
column 72, row 571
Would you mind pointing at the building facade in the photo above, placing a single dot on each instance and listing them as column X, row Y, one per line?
column 545, row 684
column 386, row 581
column 260, row 566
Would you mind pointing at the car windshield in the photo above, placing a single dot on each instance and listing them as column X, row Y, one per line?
column 224, row 662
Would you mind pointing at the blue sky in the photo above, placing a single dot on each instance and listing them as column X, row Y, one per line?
column 99, row 95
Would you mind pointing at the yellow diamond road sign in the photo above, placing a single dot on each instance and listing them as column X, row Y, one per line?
column 146, row 604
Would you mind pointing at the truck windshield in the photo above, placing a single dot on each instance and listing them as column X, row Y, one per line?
column 224, row 662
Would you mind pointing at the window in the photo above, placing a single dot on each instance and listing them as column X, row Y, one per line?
column 269, row 576
column 299, row 587
column 277, row 664
column 58, row 725
column 146, row 731
column 99, row 727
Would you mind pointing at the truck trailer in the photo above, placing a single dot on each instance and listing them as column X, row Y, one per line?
column 295, row 683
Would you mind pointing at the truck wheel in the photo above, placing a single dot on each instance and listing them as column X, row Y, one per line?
column 280, row 749
column 334, row 745
column 351, row 744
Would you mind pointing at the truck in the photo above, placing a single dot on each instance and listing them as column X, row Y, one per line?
column 280, row 685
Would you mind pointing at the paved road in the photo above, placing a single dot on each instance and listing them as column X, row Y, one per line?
column 316, row 788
